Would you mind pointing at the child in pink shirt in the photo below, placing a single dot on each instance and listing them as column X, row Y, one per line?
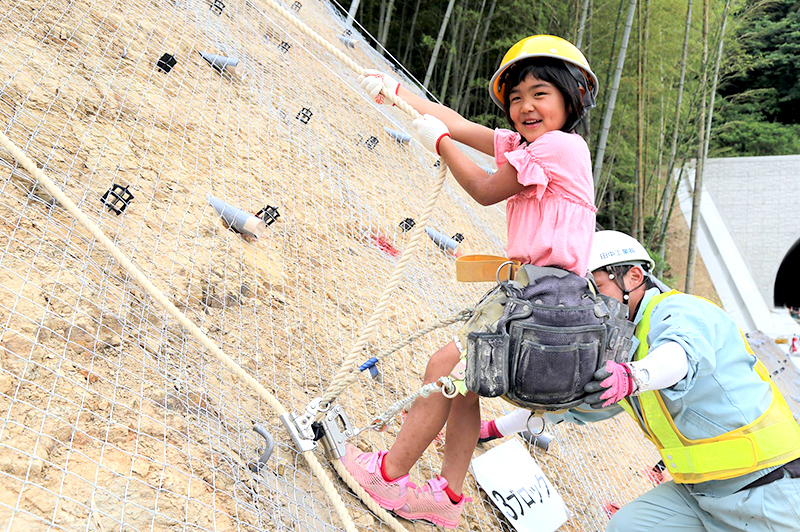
column 545, row 87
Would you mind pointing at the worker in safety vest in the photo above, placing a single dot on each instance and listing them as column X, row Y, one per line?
column 723, row 429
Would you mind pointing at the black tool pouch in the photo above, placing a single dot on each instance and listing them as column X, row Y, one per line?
column 555, row 351
column 488, row 353
column 551, row 365
column 554, row 333
column 487, row 364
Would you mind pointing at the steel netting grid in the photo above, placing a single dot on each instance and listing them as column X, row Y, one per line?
column 112, row 416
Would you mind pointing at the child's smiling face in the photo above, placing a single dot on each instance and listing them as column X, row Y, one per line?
column 536, row 107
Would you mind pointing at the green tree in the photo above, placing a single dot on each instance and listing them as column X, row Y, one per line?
column 759, row 99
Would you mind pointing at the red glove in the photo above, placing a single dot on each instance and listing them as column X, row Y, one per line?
column 610, row 385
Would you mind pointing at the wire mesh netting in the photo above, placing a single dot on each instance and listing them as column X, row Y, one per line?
column 113, row 417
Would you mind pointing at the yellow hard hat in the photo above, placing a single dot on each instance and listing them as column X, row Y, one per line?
column 543, row 46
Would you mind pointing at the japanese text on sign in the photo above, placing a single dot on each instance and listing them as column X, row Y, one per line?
column 519, row 488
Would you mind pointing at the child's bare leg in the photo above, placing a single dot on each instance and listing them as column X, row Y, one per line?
column 426, row 418
column 464, row 424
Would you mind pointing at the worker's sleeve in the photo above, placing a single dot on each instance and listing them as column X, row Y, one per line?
column 689, row 322
column 666, row 365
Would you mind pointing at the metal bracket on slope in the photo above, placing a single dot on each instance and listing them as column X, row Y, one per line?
column 299, row 426
column 337, row 429
column 270, row 446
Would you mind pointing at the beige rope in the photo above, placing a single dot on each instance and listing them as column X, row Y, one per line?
column 299, row 24
column 179, row 316
column 349, row 363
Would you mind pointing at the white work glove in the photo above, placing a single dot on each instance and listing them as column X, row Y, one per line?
column 430, row 130
column 373, row 81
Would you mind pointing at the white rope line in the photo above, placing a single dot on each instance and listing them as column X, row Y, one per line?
column 299, row 24
column 350, row 363
column 444, row 385
column 143, row 281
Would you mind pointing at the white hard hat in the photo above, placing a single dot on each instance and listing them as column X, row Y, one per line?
column 612, row 248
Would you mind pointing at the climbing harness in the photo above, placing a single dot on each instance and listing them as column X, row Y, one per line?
column 481, row 268
column 536, row 341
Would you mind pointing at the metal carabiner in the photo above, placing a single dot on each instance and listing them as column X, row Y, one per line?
column 511, row 265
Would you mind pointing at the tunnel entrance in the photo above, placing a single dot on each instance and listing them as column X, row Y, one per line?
column 787, row 282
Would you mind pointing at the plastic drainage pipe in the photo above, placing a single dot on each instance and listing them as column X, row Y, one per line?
column 399, row 136
column 443, row 241
column 348, row 41
column 220, row 62
column 542, row 441
column 237, row 219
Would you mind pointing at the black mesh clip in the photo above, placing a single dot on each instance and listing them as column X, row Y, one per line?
column 269, row 214
column 166, row 62
column 117, row 199
column 407, row 224
column 304, row 115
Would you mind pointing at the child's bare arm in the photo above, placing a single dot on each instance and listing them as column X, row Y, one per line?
column 484, row 188
column 474, row 135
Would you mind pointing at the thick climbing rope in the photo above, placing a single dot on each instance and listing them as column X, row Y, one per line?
column 153, row 291
column 350, row 364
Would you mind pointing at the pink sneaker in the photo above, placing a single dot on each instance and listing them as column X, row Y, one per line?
column 366, row 469
column 432, row 504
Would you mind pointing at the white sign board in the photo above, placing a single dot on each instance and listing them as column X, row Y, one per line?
column 518, row 487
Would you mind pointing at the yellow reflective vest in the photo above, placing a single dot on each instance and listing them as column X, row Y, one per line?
column 770, row 440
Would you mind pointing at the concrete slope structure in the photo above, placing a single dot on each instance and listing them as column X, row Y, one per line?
column 749, row 237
